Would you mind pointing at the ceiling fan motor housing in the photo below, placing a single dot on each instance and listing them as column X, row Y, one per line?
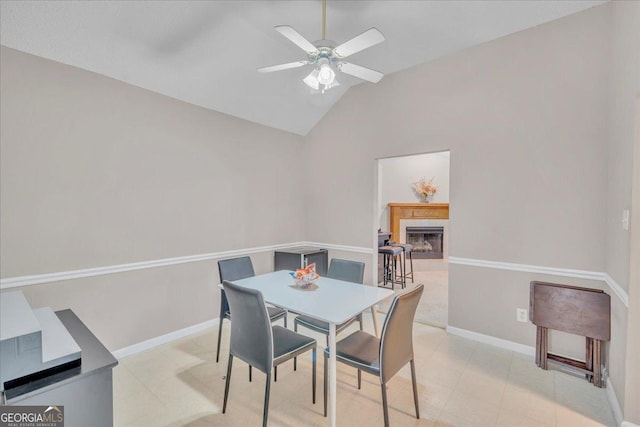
column 325, row 52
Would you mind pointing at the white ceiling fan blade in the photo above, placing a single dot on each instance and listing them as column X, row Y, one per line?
column 282, row 67
column 369, row 38
column 296, row 38
column 361, row 72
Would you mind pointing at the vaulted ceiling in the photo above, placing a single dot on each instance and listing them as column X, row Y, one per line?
column 206, row 53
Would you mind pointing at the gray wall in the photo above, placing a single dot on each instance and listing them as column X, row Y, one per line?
column 623, row 124
column 526, row 119
column 626, row 101
column 96, row 172
column 632, row 389
column 625, row 85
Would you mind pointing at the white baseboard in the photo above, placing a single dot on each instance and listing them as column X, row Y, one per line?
column 528, row 350
column 163, row 339
column 488, row 339
column 613, row 401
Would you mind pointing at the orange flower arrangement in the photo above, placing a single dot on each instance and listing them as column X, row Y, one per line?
column 424, row 189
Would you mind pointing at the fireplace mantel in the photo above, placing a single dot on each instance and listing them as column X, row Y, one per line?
column 398, row 211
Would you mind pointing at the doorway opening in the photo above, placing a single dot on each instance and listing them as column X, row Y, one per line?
column 412, row 206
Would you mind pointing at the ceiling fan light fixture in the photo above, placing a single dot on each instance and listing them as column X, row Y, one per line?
column 318, row 83
column 312, row 80
column 326, row 75
column 327, row 58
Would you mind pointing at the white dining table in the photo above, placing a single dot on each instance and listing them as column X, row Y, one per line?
column 333, row 301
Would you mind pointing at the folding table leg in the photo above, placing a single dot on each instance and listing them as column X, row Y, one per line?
column 597, row 354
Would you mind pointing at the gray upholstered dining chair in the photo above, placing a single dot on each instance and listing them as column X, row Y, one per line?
column 340, row 269
column 236, row 269
column 386, row 355
column 259, row 344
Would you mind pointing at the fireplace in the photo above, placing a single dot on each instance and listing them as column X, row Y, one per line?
column 427, row 241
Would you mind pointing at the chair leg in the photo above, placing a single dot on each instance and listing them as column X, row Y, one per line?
column 249, row 373
column 285, row 320
column 325, row 384
column 359, row 379
column 415, row 388
column 266, row 400
column 226, row 383
column 295, row 359
column 275, row 374
column 361, row 319
column 219, row 335
column 384, row 405
column 313, row 376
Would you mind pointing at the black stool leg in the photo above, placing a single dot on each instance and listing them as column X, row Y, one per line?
column 396, row 263
column 404, row 262
column 411, row 262
column 393, row 274
column 403, row 273
column 386, row 267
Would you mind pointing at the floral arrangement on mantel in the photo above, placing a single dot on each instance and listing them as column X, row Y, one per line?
column 425, row 189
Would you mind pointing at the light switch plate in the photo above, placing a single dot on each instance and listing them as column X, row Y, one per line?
column 521, row 315
column 625, row 219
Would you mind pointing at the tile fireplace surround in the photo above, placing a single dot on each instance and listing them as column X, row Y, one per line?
column 414, row 211
column 414, row 222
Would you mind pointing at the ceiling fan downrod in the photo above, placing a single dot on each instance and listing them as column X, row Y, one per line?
column 324, row 19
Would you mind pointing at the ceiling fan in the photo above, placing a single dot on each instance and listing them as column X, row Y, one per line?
column 326, row 57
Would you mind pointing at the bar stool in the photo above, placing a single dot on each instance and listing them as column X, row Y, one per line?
column 407, row 249
column 390, row 255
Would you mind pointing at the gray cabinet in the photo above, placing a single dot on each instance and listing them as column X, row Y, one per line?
column 291, row 259
column 86, row 392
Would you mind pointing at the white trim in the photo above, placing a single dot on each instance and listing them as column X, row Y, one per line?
column 488, row 339
column 359, row 249
column 613, row 401
column 554, row 271
column 583, row 274
column 163, row 339
column 15, row 282
column 617, row 289
column 530, row 351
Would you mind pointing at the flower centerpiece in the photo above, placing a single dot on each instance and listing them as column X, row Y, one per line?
column 425, row 189
column 305, row 277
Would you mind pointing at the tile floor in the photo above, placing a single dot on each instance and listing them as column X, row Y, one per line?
column 434, row 305
column 460, row 383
